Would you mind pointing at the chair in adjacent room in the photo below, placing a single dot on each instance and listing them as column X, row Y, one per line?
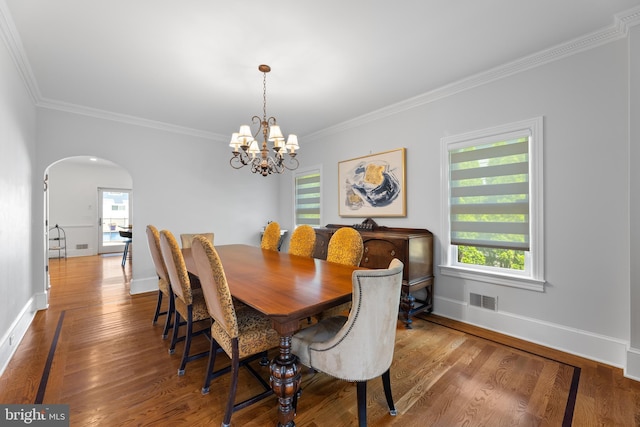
column 345, row 247
column 187, row 238
column 242, row 332
column 359, row 347
column 271, row 237
column 164, row 286
column 189, row 301
column 303, row 241
column 128, row 236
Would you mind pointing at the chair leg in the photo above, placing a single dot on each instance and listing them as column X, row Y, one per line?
column 158, row 305
column 174, row 337
column 187, row 341
column 235, row 366
column 209, row 375
column 386, row 383
column 170, row 312
column 125, row 253
column 361, row 392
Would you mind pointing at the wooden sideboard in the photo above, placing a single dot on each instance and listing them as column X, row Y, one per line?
column 412, row 246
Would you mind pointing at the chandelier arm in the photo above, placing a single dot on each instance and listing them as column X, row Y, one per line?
column 293, row 162
column 238, row 160
column 275, row 166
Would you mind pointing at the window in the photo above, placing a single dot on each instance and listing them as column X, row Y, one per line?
column 307, row 197
column 493, row 205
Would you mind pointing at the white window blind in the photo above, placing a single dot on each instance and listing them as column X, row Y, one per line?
column 489, row 194
column 307, row 198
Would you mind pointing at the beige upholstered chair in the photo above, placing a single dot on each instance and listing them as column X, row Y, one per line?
column 360, row 347
column 271, row 237
column 189, row 301
column 242, row 332
column 187, row 238
column 345, row 247
column 303, row 241
column 164, row 287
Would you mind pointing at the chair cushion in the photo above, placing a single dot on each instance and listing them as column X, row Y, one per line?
column 163, row 285
column 320, row 332
column 199, row 309
column 255, row 333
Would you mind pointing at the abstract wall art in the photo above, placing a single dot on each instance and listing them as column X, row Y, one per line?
column 373, row 185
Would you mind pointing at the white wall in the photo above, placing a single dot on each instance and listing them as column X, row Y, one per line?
column 18, row 234
column 584, row 101
column 73, row 200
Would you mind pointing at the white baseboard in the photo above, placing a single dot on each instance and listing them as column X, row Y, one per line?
column 600, row 348
column 11, row 339
column 632, row 370
column 140, row 286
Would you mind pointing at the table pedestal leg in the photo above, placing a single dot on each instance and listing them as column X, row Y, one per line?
column 285, row 381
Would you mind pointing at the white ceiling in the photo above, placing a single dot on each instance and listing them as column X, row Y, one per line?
column 193, row 63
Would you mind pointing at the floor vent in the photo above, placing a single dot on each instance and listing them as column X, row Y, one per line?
column 477, row 300
column 82, row 246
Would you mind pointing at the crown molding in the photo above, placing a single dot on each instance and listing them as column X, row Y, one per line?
column 127, row 119
column 617, row 31
column 10, row 36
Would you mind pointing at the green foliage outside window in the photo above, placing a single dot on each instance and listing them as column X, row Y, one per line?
column 503, row 258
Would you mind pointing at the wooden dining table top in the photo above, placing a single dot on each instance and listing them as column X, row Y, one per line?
column 282, row 286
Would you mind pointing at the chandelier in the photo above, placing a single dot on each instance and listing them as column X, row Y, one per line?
column 246, row 151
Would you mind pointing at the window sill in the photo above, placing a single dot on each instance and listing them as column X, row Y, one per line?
column 513, row 281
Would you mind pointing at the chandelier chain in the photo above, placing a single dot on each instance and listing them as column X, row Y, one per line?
column 264, row 96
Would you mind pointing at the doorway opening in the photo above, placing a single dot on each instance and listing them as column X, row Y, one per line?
column 74, row 201
column 114, row 221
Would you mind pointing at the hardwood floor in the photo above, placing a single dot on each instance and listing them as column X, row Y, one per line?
column 96, row 350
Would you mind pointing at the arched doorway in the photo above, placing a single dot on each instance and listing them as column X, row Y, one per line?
column 72, row 188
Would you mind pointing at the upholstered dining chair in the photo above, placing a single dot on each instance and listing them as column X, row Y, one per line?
column 303, row 241
column 164, row 287
column 359, row 347
column 187, row 238
column 189, row 301
column 345, row 247
column 242, row 332
column 271, row 237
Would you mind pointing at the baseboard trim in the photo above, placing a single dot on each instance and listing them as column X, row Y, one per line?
column 12, row 338
column 141, row 286
column 632, row 369
column 599, row 348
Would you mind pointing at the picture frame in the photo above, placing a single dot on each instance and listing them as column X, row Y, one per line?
column 373, row 185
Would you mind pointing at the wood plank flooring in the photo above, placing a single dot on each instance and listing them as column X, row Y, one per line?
column 96, row 350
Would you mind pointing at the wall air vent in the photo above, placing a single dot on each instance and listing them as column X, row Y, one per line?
column 477, row 300
column 82, row 246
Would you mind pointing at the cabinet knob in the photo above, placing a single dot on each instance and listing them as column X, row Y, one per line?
column 366, row 249
column 366, row 259
column 393, row 253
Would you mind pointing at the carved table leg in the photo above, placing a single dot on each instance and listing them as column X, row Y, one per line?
column 407, row 303
column 285, row 381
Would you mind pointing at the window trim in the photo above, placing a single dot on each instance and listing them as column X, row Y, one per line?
column 301, row 172
column 533, row 279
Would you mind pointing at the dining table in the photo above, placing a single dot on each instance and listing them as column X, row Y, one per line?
column 287, row 289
